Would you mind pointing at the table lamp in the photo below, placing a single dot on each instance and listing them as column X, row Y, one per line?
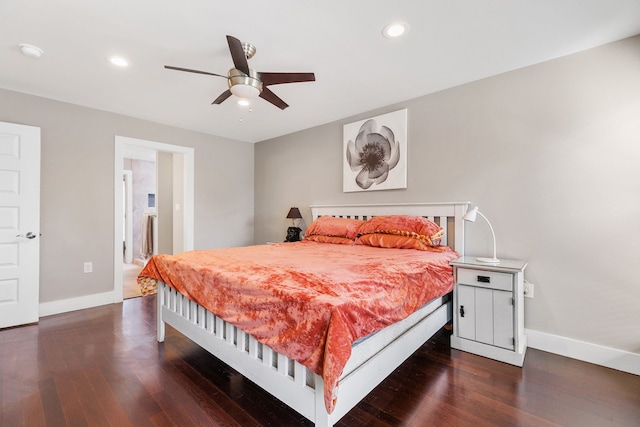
column 471, row 217
column 293, row 233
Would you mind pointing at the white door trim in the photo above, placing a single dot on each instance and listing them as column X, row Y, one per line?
column 128, row 221
column 122, row 142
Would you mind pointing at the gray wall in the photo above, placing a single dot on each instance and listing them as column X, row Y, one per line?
column 550, row 154
column 77, row 195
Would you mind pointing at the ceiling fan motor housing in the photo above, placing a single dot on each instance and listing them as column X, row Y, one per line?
column 248, row 49
column 244, row 86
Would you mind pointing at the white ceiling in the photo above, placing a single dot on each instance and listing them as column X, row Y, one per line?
column 450, row 42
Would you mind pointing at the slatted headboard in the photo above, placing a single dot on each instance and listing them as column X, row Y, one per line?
column 447, row 214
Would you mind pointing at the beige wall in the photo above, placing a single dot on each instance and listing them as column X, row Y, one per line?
column 551, row 155
column 77, row 195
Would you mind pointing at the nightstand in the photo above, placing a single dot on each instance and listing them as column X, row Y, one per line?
column 488, row 304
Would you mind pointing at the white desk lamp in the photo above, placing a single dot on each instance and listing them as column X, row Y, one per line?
column 471, row 217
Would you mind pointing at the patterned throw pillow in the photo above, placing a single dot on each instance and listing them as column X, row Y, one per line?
column 412, row 232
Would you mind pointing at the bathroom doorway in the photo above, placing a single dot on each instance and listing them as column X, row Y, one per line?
column 140, row 239
column 158, row 178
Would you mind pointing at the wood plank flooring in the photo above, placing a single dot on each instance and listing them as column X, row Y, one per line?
column 103, row 367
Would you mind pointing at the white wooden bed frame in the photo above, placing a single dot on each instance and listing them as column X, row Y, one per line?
column 371, row 361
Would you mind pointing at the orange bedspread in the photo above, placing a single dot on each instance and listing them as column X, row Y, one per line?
column 309, row 301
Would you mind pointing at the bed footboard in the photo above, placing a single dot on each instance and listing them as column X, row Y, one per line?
column 286, row 379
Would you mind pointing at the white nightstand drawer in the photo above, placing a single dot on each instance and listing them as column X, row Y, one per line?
column 486, row 279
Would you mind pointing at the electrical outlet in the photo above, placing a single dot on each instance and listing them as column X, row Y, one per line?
column 88, row 267
column 528, row 289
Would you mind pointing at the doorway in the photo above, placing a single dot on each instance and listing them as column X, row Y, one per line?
column 140, row 186
column 173, row 206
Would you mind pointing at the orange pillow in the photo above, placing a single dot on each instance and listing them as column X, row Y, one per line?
column 393, row 241
column 330, row 239
column 417, row 227
column 333, row 226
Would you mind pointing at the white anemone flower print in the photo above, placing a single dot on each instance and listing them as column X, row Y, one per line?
column 373, row 154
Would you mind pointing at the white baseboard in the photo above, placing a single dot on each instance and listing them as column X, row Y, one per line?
column 593, row 353
column 72, row 304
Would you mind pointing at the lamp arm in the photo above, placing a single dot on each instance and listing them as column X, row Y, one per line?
column 492, row 233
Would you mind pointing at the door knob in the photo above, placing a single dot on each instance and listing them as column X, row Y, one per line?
column 30, row 235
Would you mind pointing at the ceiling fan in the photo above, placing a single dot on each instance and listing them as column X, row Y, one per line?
column 245, row 82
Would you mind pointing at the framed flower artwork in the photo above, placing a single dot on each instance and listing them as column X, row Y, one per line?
column 375, row 153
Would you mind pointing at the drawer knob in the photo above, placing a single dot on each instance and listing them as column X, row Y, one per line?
column 484, row 279
column 462, row 311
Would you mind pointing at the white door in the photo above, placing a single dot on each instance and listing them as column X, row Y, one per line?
column 19, row 224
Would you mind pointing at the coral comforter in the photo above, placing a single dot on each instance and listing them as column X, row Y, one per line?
column 309, row 301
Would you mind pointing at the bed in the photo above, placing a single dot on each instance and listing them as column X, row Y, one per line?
column 368, row 361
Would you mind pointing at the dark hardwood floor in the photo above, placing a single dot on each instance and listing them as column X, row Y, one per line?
column 103, row 367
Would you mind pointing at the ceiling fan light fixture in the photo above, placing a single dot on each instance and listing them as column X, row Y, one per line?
column 395, row 30
column 244, row 91
column 244, row 86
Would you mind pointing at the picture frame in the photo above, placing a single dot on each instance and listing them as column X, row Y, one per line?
column 375, row 153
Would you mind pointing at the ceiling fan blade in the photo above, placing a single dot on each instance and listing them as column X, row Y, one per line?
column 280, row 78
column 224, row 95
column 237, row 54
column 267, row 95
column 169, row 67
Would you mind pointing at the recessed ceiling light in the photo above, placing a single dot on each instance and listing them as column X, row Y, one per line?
column 30, row 50
column 118, row 61
column 395, row 30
